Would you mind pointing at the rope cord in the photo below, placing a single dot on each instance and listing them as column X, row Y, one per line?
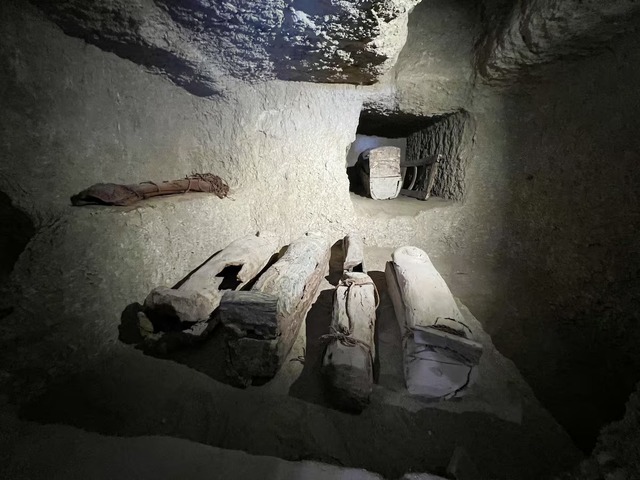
column 342, row 334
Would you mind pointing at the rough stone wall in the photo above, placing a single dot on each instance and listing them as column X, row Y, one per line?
column 550, row 191
column 16, row 230
column 434, row 72
column 538, row 32
column 450, row 136
column 74, row 115
column 550, row 214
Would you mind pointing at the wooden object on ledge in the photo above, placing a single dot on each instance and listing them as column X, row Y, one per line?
column 420, row 176
column 380, row 172
column 123, row 195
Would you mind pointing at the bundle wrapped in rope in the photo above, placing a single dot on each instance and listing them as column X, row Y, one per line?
column 123, row 195
column 348, row 361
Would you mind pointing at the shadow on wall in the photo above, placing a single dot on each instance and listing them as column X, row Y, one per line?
column 570, row 249
column 16, row 229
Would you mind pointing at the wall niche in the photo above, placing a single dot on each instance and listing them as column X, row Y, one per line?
column 433, row 153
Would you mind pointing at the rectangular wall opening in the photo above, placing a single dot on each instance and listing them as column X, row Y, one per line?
column 424, row 158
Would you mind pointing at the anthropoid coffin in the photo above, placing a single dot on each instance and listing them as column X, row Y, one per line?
column 187, row 309
column 439, row 350
column 262, row 324
column 349, row 357
column 380, row 172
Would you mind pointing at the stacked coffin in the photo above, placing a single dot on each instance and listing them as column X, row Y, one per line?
column 440, row 353
column 262, row 324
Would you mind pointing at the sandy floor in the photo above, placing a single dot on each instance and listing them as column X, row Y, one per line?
column 400, row 206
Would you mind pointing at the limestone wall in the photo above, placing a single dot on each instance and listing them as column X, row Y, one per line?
column 449, row 136
column 74, row 115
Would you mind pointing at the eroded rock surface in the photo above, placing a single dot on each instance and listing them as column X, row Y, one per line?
column 449, row 136
column 197, row 43
column 537, row 32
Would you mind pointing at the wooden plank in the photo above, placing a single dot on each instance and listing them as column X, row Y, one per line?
column 250, row 358
column 348, row 360
column 420, row 162
column 353, row 247
column 468, row 349
column 431, row 178
column 440, row 353
column 422, row 185
column 251, row 313
column 199, row 295
column 294, row 280
column 385, row 188
column 163, row 343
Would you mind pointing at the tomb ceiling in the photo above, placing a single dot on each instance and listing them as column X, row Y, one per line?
column 199, row 43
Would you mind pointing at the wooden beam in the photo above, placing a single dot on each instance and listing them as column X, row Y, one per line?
column 421, row 162
column 251, row 313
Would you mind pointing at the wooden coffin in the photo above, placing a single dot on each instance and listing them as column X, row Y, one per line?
column 349, row 357
column 381, row 174
column 259, row 336
column 179, row 309
column 440, row 353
